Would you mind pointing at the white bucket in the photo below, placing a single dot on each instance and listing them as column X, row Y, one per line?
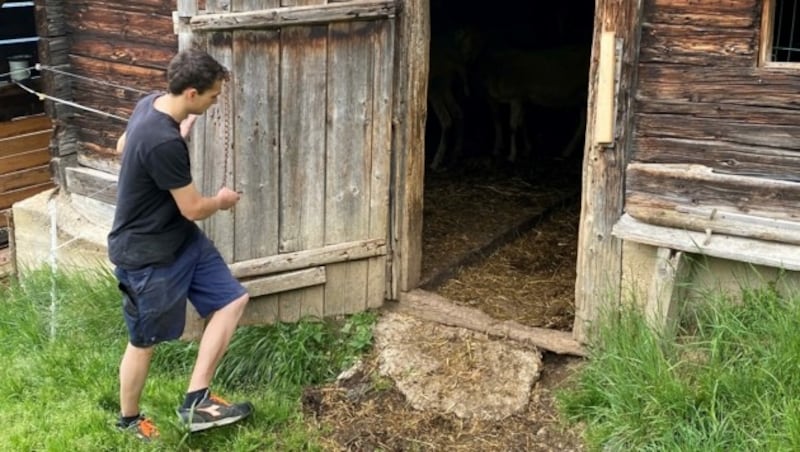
column 18, row 67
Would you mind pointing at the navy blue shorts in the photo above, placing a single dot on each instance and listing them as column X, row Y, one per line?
column 154, row 298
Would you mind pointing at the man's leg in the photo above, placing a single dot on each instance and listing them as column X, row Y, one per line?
column 215, row 340
column 132, row 375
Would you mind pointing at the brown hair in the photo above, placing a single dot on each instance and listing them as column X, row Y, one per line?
column 194, row 68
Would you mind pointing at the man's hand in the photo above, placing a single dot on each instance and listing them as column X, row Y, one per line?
column 227, row 198
column 186, row 125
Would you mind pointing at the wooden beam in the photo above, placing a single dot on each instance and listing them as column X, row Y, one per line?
column 602, row 196
column 24, row 143
column 340, row 252
column 24, row 178
column 665, row 295
column 285, row 281
column 758, row 252
column 435, row 308
column 295, row 15
column 92, row 184
column 410, row 105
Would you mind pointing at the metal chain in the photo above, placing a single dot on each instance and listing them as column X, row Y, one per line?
column 226, row 131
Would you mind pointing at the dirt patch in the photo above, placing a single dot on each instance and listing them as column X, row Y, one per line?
column 454, row 370
column 530, row 280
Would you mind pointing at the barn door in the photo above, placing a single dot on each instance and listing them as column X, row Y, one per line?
column 303, row 130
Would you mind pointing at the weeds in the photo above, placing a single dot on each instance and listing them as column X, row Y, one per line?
column 62, row 335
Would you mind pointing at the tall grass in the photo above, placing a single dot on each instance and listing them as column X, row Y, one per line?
column 727, row 379
column 58, row 389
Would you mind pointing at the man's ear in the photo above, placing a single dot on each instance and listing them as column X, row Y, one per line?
column 190, row 93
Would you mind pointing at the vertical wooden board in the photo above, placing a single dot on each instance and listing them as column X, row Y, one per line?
column 261, row 311
column 220, row 148
column 349, row 158
column 256, row 62
column 302, row 151
column 408, row 143
column 383, row 72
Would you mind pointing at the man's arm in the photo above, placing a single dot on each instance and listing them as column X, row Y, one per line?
column 195, row 206
column 121, row 143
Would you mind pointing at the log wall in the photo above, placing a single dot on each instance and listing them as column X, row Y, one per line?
column 125, row 42
column 704, row 106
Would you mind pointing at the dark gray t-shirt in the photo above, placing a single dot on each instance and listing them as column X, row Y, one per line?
column 148, row 227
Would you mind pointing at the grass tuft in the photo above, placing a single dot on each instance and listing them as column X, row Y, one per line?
column 727, row 381
column 62, row 336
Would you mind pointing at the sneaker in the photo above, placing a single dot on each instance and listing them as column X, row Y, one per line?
column 142, row 427
column 213, row 411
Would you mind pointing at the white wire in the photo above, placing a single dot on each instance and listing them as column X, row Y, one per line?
column 43, row 96
column 89, row 79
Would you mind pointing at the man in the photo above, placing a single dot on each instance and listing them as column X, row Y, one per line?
column 161, row 256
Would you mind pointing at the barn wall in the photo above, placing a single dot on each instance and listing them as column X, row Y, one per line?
column 703, row 99
column 125, row 42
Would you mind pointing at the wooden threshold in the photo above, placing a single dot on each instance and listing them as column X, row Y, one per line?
column 436, row 308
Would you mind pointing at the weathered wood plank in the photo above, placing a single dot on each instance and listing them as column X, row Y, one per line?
column 722, row 156
column 105, row 20
column 710, row 129
column 220, row 149
column 93, row 184
column 669, row 186
column 380, row 177
column 302, row 153
column 759, row 252
column 698, row 45
column 712, row 13
column 721, row 84
column 256, row 59
column 111, row 48
column 25, row 125
column 340, row 252
column 433, row 307
column 408, row 144
column 602, row 194
column 285, row 281
column 310, row 14
column 25, row 143
column 251, row 5
column 10, row 197
column 664, row 296
column 24, row 178
column 348, row 158
column 24, row 160
column 153, row 7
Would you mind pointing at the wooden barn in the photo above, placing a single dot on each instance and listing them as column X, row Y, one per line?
column 691, row 136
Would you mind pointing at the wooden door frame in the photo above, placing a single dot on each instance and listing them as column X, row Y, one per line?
column 599, row 264
column 408, row 145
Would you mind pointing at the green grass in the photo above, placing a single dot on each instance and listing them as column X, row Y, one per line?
column 729, row 382
column 58, row 389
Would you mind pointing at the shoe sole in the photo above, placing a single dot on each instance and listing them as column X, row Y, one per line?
column 200, row 426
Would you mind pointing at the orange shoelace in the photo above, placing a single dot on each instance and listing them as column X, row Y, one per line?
column 218, row 400
column 147, row 429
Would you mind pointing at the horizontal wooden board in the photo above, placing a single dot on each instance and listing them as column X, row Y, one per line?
column 155, row 7
column 759, row 252
column 285, row 281
column 24, row 160
column 723, row 156
column 699, row 128
column 294, row 15
column 676, row 44
column 24, row 143
column 92, row 184
column 341, row 252
column 9, row 198
column 108, row 48
column 25, row 125
column 99, row 19
column 708, row 13
column 674, row 187
column 24, row 178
